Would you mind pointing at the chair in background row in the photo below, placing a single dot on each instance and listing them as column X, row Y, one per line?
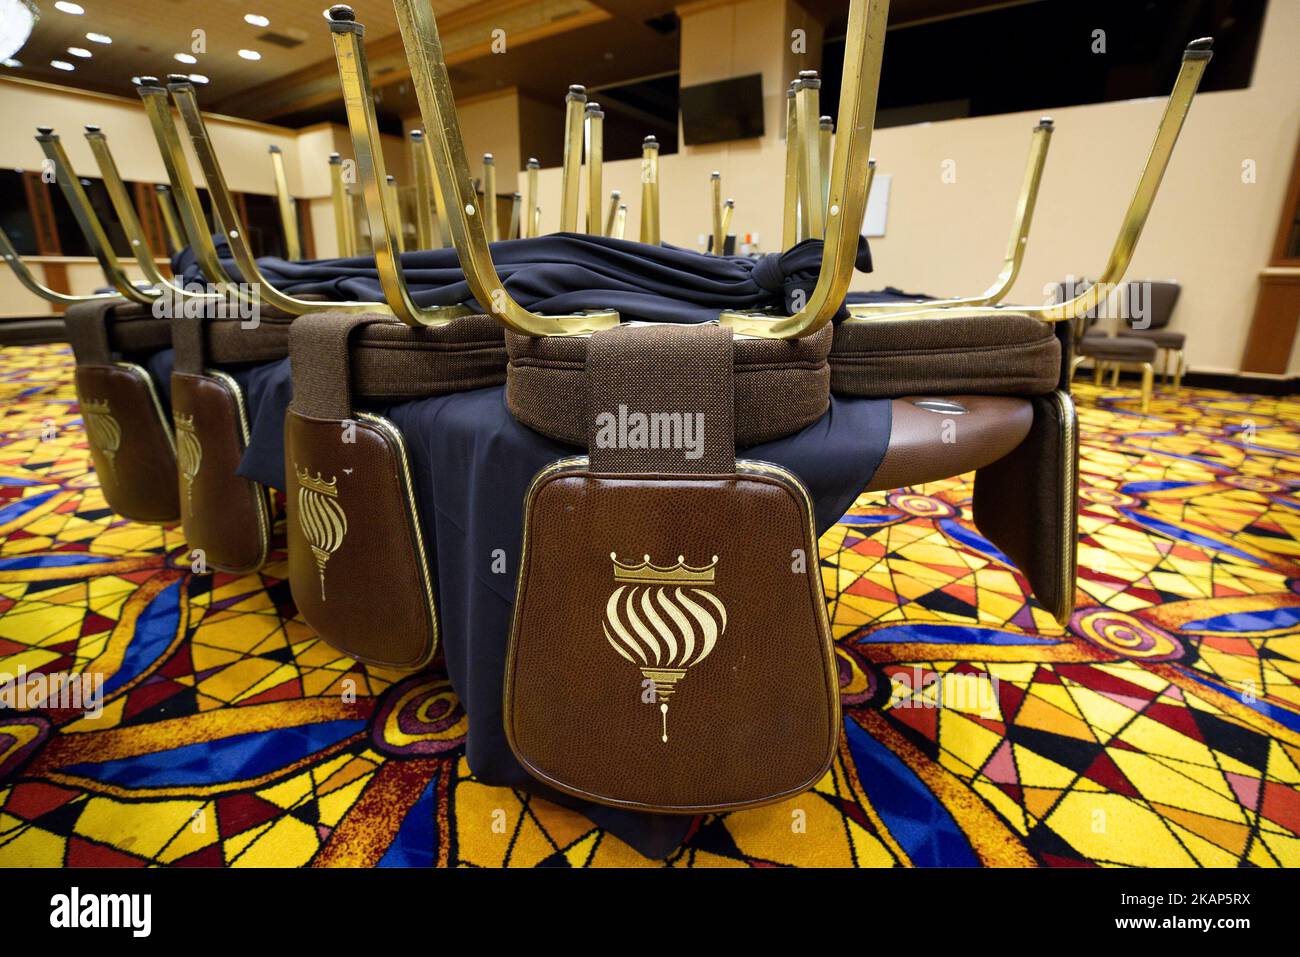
column 1140, row 313
column 1160, row 297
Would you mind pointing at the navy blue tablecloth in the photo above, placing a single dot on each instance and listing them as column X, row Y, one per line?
column 563, row 272
column 472, row 464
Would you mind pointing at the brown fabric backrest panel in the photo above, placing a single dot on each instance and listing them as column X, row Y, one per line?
column 1157, row 297
column 999, row 354
column 780, row 386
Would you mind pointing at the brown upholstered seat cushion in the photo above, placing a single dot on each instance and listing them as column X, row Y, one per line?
column 1163, row 338
column 1001, row 353
column 389, row 360
column 133, row 330
column 780, row 386
column 393, row 361
column 1122, row 348
column 34, row 331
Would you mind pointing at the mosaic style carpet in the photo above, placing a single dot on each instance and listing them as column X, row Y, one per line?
column 1161, row 728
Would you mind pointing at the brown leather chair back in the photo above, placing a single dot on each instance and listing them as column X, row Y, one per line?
column 130, row 438
column 225, row 516
column 354, row 530
column 670, row 649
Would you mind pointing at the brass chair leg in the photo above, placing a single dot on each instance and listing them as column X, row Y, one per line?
column 1148, row 375
column 1098, row 368
column 1164, row 367
column 1114, row 375
column 1195, row 58
column 1180, row 369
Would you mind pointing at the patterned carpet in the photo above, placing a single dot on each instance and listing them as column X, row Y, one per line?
column 1163, row 728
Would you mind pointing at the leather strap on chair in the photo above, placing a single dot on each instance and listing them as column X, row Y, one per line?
column 102, row 330
column 188, row 343
column 87, row 325
column 628, row 369
column 322, row 379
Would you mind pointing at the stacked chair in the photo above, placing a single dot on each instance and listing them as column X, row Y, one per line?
column 608, row 527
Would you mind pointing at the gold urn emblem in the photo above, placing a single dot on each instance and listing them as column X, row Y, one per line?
column 189, row 453
column 102, row 429
column 664, row 620
column 321, row 518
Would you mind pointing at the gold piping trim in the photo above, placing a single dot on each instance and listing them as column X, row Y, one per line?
column 261, row 493
column 413, row 514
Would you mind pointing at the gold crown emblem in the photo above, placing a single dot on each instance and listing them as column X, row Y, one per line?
column 649, row 573
column 316, row 483
column 95, row 406
column 184, row 421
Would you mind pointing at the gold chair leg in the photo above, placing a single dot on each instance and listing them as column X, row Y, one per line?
column 1097, row 368
column 1148, row 374
column 1164, row 367
column 1114, row 375
column 1180, row 369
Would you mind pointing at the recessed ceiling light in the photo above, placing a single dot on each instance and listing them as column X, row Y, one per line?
column 75, row 9
column 81, row 52
column 257, row 20
column 250, row 54
column 62, row 65
column 13, row 64
column 99, row 38
column 187, row 58
column 198, row 78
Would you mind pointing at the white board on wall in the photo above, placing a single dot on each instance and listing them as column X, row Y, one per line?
column 873, row 223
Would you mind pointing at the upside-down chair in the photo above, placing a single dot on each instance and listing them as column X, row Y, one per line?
column 622, row 542
column 127, row 426
column 160, row 457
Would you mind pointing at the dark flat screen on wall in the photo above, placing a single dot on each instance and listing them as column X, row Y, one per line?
column 727, row 110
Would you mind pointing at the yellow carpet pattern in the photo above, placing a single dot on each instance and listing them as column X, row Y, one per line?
column 1162, row 727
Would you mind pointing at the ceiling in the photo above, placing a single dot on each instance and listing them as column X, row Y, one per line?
column 147, row 34
column 595, row 42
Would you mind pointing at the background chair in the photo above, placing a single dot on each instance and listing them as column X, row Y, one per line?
column 1106, row 350
column 1159, row 297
